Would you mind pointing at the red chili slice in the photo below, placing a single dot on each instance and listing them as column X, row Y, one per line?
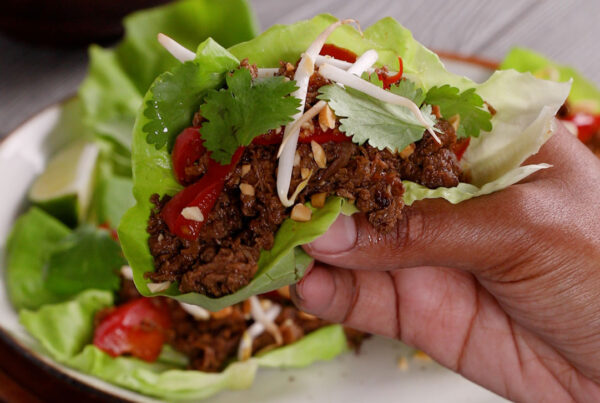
column 187, row 150
column 338, row 53
column 388, row 81
column 460, row 147
column 137, row 328
column 202, row 194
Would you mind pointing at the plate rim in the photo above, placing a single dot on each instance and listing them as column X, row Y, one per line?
column 37, row 359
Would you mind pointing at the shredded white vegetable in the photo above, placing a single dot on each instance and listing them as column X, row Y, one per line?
column 343, row 77
column 257, row 328
column 363, row 63
column 302, row 75
column 178, row 51
column 307, row 116
column 259, row 316
column 196, row 311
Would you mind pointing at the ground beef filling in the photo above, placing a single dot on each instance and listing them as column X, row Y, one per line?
column 211, row 344
column 224, row 257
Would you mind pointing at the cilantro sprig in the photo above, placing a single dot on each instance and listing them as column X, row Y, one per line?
column 244, row 110
column 467, row 104
column 365, row 118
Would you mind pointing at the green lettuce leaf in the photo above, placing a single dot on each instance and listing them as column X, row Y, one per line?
column 118, row 78
column 65, row 331
column 86, row 258
column 526, row 60
column 34, row 237
column 525, row 108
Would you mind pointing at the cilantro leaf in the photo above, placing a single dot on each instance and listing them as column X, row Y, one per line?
column 468, row 105
column 365, row 118
column 244, row 110
column 405, row 88
column 177, row 94
column 86, row 258
column 408, row 89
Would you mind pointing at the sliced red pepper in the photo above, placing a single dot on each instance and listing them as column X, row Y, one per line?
column 202, row 194
column 137, row 328
column 460, row 147
column 269, row 138
column 587, row 124
column 187, row 150
column 338, row 53
column 388, row 81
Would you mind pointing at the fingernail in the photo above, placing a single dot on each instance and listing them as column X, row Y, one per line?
column 340, row 237
column 314, row 293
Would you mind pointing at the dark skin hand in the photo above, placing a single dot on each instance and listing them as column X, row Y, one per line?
column 503, row 289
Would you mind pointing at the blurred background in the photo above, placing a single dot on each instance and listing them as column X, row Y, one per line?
column 43, row 55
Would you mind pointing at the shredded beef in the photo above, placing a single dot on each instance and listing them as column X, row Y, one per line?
column 212, row 343
column 224, row 257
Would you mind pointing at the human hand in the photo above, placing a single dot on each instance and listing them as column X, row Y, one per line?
column 504, row 288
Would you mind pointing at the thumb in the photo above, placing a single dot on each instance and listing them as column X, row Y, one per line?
column 474, row 235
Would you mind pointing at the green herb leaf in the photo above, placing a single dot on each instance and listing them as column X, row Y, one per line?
column 87, row 258
column 405, row 88
column 246, row 109
column 467, row 104
column 365, row 118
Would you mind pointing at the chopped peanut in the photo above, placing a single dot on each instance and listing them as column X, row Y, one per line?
column 318, row 154
column 284, row 291
column 301, row 213
column 326, row 118
column 305, row 173
column 192, row 213
column 223, row 313
column 296, row 159
column 454, row 121
column 318, row 199
column 247, row 189
column 407, row 152
column 245, row 169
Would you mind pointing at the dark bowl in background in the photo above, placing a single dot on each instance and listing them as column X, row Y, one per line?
column 67, row 22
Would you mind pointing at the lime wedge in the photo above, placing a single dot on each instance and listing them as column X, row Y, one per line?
column 64, row 189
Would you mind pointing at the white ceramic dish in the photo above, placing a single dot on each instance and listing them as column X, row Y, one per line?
column 372, row 376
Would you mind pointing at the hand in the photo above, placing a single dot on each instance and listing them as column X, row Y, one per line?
column 504, row 288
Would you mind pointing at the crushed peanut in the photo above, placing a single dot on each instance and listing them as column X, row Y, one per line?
column 326, row 118
column 289, row 67
column 245, row 169
column 223, row 313
column 454, row 121
column 192, row 213
column 408, row 150
column 301, row 213
column 296, row 159
column 318, row 199
column 247, row 189
column 318, row 154
column 284, row 291
column 305, row 173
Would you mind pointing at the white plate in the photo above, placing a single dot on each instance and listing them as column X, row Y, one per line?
column 372, row 376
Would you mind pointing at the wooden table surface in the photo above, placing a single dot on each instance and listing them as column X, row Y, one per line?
column 567, row 31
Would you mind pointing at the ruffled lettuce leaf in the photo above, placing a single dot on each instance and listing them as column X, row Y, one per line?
column 65, row 331
column 118, row 78
column 34, row 237
column 526, row 60
column 525, row 109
